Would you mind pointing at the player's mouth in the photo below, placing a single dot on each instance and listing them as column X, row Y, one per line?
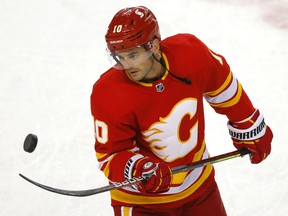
column 133, row 73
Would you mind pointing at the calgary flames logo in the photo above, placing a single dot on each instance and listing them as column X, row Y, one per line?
column 164, row 136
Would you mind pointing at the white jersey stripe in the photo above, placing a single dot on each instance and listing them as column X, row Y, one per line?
column 225, row 95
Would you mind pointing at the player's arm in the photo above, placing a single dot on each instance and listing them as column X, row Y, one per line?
column 115, row 147
column 246, row 124
column 119, row 158
column 117, row 152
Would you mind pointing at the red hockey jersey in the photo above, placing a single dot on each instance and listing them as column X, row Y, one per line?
column 164, row 120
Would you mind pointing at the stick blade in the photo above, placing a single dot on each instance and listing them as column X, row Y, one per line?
column 76, row 193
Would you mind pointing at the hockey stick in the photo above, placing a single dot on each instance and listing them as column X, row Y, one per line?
column 128, row 182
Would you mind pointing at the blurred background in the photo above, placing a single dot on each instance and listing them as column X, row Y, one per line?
column 52, row 52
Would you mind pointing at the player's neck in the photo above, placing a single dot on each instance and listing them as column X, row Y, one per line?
column 157, row 71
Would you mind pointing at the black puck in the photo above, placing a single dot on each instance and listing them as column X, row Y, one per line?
column 30, row 143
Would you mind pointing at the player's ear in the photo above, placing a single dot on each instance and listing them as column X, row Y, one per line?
column 156, row 46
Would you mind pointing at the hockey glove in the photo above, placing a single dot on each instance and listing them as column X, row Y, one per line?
column 160, row 176
column 253, row 134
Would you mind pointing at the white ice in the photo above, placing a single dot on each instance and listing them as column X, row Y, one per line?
column 51, row 53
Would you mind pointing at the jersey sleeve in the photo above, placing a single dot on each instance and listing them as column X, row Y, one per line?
column 114, row 133
column 223, row 91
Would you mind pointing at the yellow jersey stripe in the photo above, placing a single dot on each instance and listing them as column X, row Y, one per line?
column 99, row 156
column 179, row 177
column 231, row 102
column 222, row 87
column 126, row 211
column 226, row 95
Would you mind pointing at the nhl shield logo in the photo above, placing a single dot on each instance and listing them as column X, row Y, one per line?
column 160, row 87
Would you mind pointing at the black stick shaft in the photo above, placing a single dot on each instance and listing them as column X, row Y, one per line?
column 212, row 160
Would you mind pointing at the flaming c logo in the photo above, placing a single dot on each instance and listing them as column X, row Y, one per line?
column 164, row 136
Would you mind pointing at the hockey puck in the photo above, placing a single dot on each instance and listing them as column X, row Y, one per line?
column 30, row 143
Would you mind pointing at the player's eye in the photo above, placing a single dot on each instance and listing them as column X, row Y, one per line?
column 133, row 56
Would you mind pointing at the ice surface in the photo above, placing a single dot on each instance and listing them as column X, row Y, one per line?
column 51, row 53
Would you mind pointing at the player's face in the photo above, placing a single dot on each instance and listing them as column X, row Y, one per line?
column 139, row 64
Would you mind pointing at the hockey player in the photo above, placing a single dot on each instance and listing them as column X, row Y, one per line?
column 148, row 113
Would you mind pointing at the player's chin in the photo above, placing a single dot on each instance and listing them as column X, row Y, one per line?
column 136, row 75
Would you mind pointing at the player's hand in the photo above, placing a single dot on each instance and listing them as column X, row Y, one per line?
column 160, row 176
column 252, row 134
